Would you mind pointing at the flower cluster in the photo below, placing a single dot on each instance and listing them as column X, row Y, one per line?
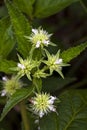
column 24, row 67
column 54, row 62
column 43, row 103
column 10, row 86
column 35, row 69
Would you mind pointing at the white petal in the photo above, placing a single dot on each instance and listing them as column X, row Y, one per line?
column 53, row 98
column 35, row 31
column 51, row 101
column 58, row 61
column 41, row 114
column 51, row 107
column 46, row 42
column 4, row 78
column 21, row 66
column 3, row 93
column 38, row 44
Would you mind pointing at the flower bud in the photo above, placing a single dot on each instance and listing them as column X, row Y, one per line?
column 10, row 86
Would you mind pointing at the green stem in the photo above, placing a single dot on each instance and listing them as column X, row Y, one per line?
column 24, row 115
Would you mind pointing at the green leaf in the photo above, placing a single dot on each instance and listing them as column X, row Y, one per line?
column 45, row 8
column 7, row 41
column 73, row 110
column 5, row 66
column 49, row 122
column 26, row 6
column 21, row 27
column 73, row 52
column 84, row 4
column 17, row 97
column 53, row 84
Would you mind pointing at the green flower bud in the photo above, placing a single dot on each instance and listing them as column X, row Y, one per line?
column 24, row 67
column 55, row 63
column 40, row 74
column 10, row 86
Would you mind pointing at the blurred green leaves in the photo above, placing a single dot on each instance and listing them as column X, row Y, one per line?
column 73, row 110
column 7, row 41
column 73, row 52
column 21, row 27
column 5, row 66
column 45, row 8
column 15, row 99
column 84, row 4
column 26, row 6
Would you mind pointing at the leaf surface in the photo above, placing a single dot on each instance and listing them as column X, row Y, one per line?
column 45, row 8
column 73, row 52
column 17, row 97
column 21, row 27
column 73, row 110
column 7, row 41
column 5, row 66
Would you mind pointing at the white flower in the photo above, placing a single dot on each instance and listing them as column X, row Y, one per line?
column 3, row 93
column 39, row 38
column 58, row 61
column 10, row 86
column 21, row 66
column 43, row 103
column 4, row 78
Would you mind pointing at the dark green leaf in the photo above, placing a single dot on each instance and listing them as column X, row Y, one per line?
column 73, row 52
column 84, row 4
column 73, row 110
column 5, row 66
column 21, row 26
column 17, row 97
column 45, row 8
column 49, row 122
column 7, row 41
column 25, row 6
column 52, row 84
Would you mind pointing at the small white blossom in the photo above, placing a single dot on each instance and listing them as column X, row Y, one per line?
column 38, row 44
column 21, row 66
column 10, row 86
column 3, row 93
column 58, row 61
column 35, row 31
column 39, row 38
column 4, row 78
column 42, row 104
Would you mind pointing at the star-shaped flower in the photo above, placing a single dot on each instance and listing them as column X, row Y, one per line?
column 39, row 38
column 43, row 103
column 24, row 67
column 55, row 63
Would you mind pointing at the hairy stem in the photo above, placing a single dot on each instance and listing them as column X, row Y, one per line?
column 24, row 115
